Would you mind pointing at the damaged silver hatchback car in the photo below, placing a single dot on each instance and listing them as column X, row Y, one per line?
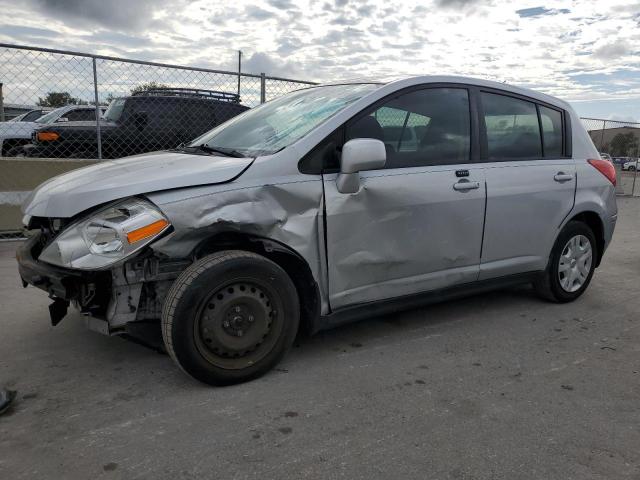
column 326, row 205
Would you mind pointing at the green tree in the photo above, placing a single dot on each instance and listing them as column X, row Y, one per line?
column 143, row 87
column 59, row 99
column 623, row 145
column 108, row 100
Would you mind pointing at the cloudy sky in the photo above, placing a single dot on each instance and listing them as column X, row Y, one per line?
column 587, row 52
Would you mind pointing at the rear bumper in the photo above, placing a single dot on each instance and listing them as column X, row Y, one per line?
column 609, row 229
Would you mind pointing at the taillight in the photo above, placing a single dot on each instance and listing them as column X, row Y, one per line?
column 606, row 168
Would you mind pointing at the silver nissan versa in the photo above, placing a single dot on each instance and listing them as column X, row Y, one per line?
column 329, row 204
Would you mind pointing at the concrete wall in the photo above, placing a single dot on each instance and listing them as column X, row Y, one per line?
column 18, row 176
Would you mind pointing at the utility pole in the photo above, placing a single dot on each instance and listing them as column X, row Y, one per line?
column 98, row 113
column 1, row 104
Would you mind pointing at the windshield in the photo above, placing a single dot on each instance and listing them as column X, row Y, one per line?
column 114, row 110
column 274, row 125
column 51, row 116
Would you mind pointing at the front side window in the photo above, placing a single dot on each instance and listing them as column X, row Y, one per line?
column 424, row 127
column 270, row 127
column 512, row 127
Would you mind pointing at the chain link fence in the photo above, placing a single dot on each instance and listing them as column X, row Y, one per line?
column 619, row 142
column 60, row 110
column 101, row 107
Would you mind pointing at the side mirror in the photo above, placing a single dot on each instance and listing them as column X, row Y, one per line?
column 357, row 155
column 62, row 119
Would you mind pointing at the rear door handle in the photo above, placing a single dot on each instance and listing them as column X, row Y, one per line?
column 464, row 185
column 562, row 177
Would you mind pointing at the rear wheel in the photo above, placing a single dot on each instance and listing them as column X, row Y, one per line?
column 571, row 265
column 230, row 317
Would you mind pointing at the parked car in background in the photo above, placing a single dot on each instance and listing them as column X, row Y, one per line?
column 151, row 120
column 630, row 165
column 620, row 160
column 310, row 211
column 605, row 156
column 14, row 135
column 31, row 116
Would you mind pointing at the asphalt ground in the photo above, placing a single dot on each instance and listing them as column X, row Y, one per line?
column 497, row 386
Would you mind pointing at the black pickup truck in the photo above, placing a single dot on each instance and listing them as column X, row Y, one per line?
column 151, row 120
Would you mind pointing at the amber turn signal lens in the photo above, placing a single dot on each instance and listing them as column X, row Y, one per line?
column 146, row 231
column 47, row 136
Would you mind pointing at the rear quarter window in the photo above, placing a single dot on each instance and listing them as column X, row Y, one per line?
column 551, row 121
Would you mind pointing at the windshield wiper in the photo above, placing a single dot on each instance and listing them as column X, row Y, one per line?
column 210, row 150
column 224, row 151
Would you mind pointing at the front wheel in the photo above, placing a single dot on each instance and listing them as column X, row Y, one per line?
column 17, row 151
column 571, row 264
column 230, row 317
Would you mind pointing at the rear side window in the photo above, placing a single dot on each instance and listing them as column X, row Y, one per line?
column 81, row 115
column 422, row 127
column 512, row 127
column 31, row 116
column 551, row 121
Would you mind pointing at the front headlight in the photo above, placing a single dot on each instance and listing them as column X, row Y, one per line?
column 107, row 236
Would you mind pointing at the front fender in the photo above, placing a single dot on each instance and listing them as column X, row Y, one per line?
column 288, row 212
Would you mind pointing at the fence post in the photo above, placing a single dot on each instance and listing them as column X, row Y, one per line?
column 95, row 97
column 635, row 174
column 263, row 88
column 1, row 104
column 604, row 127
column 239, row 69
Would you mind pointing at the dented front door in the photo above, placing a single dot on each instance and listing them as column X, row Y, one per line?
column 407, row 230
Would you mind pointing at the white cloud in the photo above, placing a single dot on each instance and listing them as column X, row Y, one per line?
column 553, row 47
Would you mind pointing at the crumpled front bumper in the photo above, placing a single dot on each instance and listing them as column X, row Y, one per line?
column 58, row 282
column 63, row 285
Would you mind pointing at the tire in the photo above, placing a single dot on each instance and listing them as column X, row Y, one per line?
column 17, row 151
column 556, row 285
column 632, row 168
column 230, row 317
column 81, row 155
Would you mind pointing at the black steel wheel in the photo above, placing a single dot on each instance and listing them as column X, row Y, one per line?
column 230, row 317
column 241, row 320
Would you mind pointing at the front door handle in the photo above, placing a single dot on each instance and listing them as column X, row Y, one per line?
column 562, row 177
column 464, row 185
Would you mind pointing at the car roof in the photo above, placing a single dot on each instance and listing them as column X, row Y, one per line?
column 403, row 82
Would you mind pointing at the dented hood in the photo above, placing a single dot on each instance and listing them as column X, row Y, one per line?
column 70, row 193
